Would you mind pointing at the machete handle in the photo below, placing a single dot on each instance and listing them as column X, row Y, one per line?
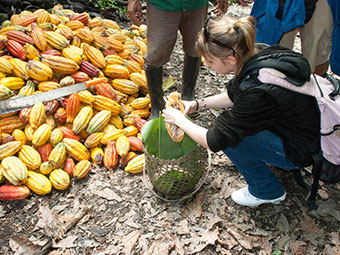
column 96, row 81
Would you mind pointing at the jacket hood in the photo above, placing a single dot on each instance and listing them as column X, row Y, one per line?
column 293, row 64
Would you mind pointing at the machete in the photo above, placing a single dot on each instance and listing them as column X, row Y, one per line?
column 13, row 105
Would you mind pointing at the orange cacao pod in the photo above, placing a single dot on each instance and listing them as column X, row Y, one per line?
column 69, row 166
column 12, row 192
column 110, row 159
column 16, row 49
column 44, row 151
column 68, row 133
column 72, row 107
column 19, row 37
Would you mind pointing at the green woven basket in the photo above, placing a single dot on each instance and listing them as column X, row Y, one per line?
column 177, row 179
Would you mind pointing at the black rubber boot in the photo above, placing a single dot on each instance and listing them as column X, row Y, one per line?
column 154, row 77
column 189, row 77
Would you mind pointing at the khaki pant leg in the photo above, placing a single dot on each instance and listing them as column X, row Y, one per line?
column 316, row 35
column 191, row 24
column 288, row 39
column 162, row 27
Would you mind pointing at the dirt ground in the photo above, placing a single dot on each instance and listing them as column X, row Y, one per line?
column 113, row 212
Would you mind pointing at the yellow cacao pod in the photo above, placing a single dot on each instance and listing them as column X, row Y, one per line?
column 30, row 157
column 56, row 40
column 60, row 64
column 93, row 140
column 98, row 121
column 41, row 135
column 104, row 103
column 97, row 155
column 9, row 149
column 14, row 170
column 60, row 179
column 30, row 51
column 29, row 132
column 39, row 71
column 74, row 53
column 82, row 119
column 116, row 71
column 45, row 86
column 125, row 86
column 140, row 102
column 58, row 155
column 46, row 167
column 76, row 149
column 136, row 165
column 38, row 183
column 81, row 169
column 122, row 145
column 5, row 66
column 37, row 115
column 112, row 136
column 19, row 135
column 117, row 121
column 95, row 56
column 86, row 97
column 56, row 137
column 13, row 83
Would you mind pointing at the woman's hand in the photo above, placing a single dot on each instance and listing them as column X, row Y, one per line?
column 172, row 116
column 135, row 11
column 189, row 107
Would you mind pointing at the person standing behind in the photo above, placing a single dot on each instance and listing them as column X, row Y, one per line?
column 335, row 54
column 164, row 19
column 279, row 21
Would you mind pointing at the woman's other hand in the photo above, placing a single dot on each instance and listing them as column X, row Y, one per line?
column 189, row 107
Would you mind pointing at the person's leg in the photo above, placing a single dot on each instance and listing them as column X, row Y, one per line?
column 191, row 24
column 288, row 39
column 316, row 38
column 252, row 157
column 161, row 36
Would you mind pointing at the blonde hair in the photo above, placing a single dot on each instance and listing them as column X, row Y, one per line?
column 238, row 34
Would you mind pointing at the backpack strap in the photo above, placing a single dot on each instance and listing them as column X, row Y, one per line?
column 311, row 201
column 336, row 85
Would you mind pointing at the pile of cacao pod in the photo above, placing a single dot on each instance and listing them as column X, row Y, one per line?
column 48, row 144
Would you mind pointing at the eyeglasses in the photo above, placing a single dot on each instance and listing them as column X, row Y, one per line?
column 208, row 38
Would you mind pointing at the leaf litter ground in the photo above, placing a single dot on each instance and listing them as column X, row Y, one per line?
column 112, row 212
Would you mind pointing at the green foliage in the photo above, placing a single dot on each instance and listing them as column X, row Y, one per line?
column 111, row 4
column 159, row 144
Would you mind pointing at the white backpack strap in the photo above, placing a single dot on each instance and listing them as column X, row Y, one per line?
column 272, row 76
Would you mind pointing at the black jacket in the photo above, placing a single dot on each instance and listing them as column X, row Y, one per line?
column 291, row 116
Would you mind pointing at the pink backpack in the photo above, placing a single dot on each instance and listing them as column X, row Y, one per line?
column 326, row 92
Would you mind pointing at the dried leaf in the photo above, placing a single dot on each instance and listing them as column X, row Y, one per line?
column 244, row 241
column 195, row 207
column 52, row 225
column 21, row 245
column 67, row 242
column 308, row 225
column 210, row 237
column 179, row 246
column 161, row 246
column 183, row 227
column 130, row 241
column 108, row 194
column 298, row 248
column 226, row 240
